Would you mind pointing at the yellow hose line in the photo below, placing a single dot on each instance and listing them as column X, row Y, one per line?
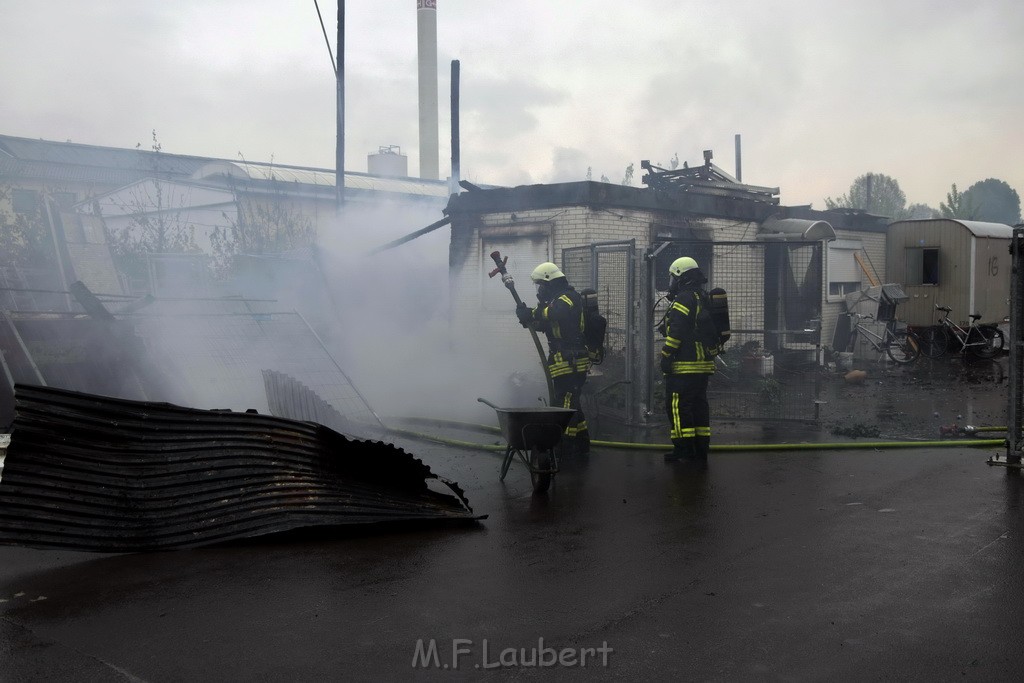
column 849, row 445
column 626, row 445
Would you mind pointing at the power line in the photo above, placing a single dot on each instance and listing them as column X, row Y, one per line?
column 326, row 40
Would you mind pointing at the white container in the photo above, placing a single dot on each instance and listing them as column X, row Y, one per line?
column 766, row 366
column 844, row 360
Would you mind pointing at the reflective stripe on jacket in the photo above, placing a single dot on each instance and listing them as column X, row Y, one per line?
column 561, row 320
column 688, row 355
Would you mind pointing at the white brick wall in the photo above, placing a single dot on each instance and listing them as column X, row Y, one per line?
column 495, row 338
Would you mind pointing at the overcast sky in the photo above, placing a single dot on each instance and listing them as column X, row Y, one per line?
column 930, row 92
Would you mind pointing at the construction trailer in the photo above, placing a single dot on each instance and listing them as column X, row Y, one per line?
column 950, row 262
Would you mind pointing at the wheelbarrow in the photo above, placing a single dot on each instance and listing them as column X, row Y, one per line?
column 532, row 435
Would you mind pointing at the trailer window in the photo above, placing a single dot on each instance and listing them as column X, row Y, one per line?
column 923, row 266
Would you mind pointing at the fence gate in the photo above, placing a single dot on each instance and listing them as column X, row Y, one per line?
column 1015, row 407
column 609, row 268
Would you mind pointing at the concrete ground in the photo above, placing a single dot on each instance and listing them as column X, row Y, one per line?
column 801, row 565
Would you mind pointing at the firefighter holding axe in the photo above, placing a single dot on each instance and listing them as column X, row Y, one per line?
column 559, row 315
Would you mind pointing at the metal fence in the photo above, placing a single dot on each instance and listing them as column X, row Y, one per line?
column 609, row 268
column 771, row 370
column 24, row 288
column 1015, row 406
column 215, row 354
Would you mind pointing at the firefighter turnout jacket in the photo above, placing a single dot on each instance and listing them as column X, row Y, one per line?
column 687, row 355
column 561, row 320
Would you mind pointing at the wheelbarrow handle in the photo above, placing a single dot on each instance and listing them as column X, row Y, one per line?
column 486, row 402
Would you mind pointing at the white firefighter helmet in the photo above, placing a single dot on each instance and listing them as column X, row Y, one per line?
column 546, row 272
column 682, row 265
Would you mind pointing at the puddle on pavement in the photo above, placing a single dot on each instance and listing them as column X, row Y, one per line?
column 916, row 401
column 894, row 403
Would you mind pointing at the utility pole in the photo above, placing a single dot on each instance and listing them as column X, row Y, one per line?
column 456, row 161
column 339, row 150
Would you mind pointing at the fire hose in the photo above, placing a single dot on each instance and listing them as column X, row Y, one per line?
column 633, row 446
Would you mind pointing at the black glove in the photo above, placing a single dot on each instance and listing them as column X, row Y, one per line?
column 524, row 314
column 666, row 365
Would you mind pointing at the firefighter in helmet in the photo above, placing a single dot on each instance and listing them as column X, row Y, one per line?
column 687, row 365
column 559, row 315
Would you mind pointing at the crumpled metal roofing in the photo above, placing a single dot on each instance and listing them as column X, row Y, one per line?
column 94, row 473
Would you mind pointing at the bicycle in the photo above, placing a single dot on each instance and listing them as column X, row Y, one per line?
column 981, row 341
column 898, row 344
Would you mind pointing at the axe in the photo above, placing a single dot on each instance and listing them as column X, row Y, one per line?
column 510, row 284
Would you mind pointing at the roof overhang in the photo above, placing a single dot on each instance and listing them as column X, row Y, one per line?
column 796, row 230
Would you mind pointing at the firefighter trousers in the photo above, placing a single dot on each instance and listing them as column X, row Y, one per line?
column 686, row 403
column 568, row 388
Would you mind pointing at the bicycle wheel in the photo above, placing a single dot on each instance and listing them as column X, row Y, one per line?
column 902, row 348
column 981, row 342
column 934, row 341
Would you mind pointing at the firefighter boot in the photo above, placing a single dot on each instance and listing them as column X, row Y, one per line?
column 682, row 449
column 583, row 443
column 701, row 448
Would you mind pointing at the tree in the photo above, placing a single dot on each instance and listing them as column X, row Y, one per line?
column 919, row 211
column 627, row 179
column 24, row 236
column 270, row 226
column 875, row 193
column 155, row 225
column 994, row 201
column 957, row 205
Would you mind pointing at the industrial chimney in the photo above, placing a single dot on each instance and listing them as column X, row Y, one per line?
column 426, row 31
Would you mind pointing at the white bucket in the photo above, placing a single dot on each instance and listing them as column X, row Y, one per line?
column 844, row 360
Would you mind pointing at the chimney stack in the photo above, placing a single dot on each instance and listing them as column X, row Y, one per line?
column 426, row 31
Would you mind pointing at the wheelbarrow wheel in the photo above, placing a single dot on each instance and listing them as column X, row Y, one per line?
column 540, row 469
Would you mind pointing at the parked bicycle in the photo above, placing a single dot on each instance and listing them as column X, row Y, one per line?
column 894, row 340
column 978, row 340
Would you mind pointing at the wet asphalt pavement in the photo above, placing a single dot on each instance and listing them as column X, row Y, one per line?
column 810, row 565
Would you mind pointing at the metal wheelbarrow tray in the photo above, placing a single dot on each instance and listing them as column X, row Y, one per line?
column 532, row 435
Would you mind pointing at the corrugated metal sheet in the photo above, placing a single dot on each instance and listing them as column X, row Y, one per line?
column 93, row 473
column 48, row 160
column 290, row 398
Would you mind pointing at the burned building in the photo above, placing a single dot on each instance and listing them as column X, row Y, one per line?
column 786, row 269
